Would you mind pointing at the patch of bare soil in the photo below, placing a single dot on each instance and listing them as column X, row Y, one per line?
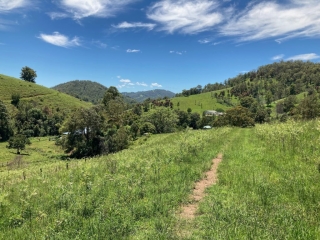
column 189, row 211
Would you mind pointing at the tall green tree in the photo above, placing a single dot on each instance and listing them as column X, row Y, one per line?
column 5, row 125
column 310, row 107
column 18, row 142
column 111, row 93
column 164, row 119
column 28, row 74
column 85, row 136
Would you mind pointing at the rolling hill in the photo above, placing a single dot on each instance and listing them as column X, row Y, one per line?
column 38, row 95
column 83, row 89
column 93, row 92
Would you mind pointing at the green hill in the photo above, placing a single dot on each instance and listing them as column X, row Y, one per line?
column 38, row 95
column 204, row 101
column 83, row 89
column 268, row 85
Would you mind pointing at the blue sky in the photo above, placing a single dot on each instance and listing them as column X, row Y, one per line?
column 141, row 45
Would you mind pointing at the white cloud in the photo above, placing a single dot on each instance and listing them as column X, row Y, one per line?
column 125, row 80
column 149, row 26
column 7, row 5
column 133, row 51
column 278, row 57
column 98, row 8
column 60, row 40
column 304, row 57
column 129, row 84
column 204, row 41
column 57, row 15
column 269, row 19
column 186, row 16
column 142, row 84
column 156, row 85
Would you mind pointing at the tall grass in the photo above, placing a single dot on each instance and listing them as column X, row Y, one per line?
column 132, row 194
column 268, row 186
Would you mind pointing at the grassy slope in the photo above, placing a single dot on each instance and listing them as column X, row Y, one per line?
column 35, row 93
column 194, row 102
column 268, row 188
column 131, row 194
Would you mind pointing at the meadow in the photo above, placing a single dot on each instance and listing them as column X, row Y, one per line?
column 201, row 102
column 268, row 188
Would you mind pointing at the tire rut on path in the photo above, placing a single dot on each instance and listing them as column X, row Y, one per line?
column 189, row 211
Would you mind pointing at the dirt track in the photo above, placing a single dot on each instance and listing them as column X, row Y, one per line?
column 189, row 211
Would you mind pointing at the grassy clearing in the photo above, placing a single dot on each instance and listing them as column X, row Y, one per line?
column 132, row 194
column 40, row 151
column 199, row 103
column 268, row 186
column 37, row 94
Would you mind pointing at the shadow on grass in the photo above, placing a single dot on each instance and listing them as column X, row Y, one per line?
column 22, row 154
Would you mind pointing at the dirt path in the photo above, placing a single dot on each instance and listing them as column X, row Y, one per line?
column 189, row 211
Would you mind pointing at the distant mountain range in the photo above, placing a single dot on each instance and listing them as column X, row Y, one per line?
column 152, row 94
column 93, row 92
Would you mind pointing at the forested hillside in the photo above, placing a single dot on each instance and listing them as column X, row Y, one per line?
column 278, row 80
column 83, row 89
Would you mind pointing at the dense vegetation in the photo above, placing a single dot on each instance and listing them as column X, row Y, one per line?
column 275, row 81
column 83, row 89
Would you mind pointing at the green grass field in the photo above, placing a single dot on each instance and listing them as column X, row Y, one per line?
column 200, row 102
column 268, row 187
column 40, row 95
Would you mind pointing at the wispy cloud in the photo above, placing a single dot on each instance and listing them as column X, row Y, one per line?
column 79, row 9
column 156, row 85
column 4, row 24
column 204, row 41
column 60, row 40
column 57, row 15
column 269, row 19
column 127, row 83
column 133, row 50
column 178, row 52
column 99, row 44
column 8, row 5
column 124, row 25
column 141, row 84
column 186, row 16
column 277, row 57
column 304, row 57
column 124, row 82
